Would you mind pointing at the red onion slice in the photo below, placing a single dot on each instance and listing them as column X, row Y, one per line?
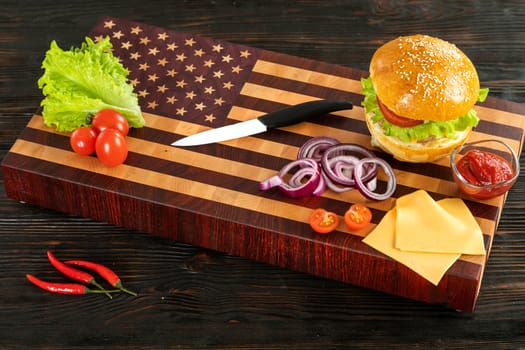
column 301, row 183
column 363, row 188
column 324, row 162
column 315, row 147
column 333, row 186
column 372, row 184
column 270, row 182
column 340, row 169
column 349, row 153
column 321, row 187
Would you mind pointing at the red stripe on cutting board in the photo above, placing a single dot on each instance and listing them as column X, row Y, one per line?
column 208, row 195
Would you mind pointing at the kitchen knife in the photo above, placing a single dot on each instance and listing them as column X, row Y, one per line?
column 283, row 117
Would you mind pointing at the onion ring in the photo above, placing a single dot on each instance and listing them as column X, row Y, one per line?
column 321, row 187
column 361, row 185
column 324, row 162
column 340, row 169
column 333, row 186
column 341, row 151
column 301, row 183
column 315, row 147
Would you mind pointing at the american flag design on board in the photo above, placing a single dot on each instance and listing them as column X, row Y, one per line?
column 198, row 80
column 182, row 75
column 208, row 195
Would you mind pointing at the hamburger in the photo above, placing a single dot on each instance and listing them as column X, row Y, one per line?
column 419, row 98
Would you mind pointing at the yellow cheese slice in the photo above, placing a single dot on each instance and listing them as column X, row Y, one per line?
column 424, row 225
column 431, row 266
column 432, row 235
column 473, row 243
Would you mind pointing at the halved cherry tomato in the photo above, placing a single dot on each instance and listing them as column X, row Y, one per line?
column 358, row 216
column 111, row 147
column 396, row 119
column 323, row 221
column 110, row 119
column 83, row 140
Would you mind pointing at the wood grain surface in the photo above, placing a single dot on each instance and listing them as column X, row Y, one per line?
column 208, row 196
column 196, row 298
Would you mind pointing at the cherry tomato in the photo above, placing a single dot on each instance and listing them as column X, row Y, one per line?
column 358, row 216
column 396, row 119
column 323, row 221
column 110, row 119
column 82, row 140
column 111, row 147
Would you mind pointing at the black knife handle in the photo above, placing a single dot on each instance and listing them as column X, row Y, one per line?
column 302, row 111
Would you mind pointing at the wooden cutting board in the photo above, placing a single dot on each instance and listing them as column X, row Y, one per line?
column 208, row 195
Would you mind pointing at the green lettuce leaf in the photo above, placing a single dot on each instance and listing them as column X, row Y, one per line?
column 78, row 83
column 423, row 131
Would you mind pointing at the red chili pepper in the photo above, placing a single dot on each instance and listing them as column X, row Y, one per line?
column 105, row 272
column 73, row 273
column 65, row 288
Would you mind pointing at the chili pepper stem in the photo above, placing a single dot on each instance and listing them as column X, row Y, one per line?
column 95, row 283
column 128, row 291
column 119, row 285
column 105, row 291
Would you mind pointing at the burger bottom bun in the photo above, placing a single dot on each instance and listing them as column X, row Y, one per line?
column 414, row 152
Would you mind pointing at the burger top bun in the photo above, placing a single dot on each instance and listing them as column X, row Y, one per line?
column 424, row 78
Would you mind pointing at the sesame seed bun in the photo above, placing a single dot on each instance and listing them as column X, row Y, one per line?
column 424, row 78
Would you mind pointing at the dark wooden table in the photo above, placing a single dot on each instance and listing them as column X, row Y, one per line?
column 196, row 298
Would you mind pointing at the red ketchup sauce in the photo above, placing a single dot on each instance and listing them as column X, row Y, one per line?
column 483, row 168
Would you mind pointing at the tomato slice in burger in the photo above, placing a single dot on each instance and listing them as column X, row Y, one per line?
column 358, row 216
column 323, row 221
column 395, row 119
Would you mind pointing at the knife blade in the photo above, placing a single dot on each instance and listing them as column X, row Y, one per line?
column 283, row 117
